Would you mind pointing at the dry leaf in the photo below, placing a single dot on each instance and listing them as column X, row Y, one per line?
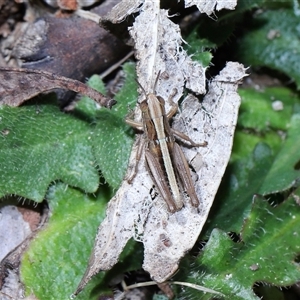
column 19, row 85
column 123, row 9
column 135, row 212
column 213, row 122
column 127, row 7
column 208, row 6
column 163, row 54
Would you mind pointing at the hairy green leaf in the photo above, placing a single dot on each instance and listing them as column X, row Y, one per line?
column 113, row 139
column 56, row 259
column 41, row 144
column 266, row 253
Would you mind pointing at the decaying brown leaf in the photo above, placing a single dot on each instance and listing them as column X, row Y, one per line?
column 19, row 85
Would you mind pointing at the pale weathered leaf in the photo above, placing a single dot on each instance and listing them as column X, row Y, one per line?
column 208, row 6
column 158, row 49
column 123, row 9
column 126, row 7
column 138, row 211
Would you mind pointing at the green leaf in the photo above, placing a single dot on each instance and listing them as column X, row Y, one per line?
column 266, row 253
column 258, row 108
column 195, row 47
column 242, row 180
column 41, row 144
column 261, row 154
column 273, row 41
column 259, row 172
column 113, row 139
column 207, row 35
column 285, row 162
column 56, row 259
column 246, row 5
column 86, row 105
column 245, row 142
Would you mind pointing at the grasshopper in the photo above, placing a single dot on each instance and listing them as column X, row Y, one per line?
column 165, row 160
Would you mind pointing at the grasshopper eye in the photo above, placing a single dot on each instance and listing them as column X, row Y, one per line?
column 144, row 106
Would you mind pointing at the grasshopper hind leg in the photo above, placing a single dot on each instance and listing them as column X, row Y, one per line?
column 159, row 180
column 184, row 174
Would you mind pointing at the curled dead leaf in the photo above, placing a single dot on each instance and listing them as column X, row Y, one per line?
column 20, row 85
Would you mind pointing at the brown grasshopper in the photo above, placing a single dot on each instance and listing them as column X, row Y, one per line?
column 164, row 157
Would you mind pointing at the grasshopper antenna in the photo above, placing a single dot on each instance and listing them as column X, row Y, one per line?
column 144, row 91
column 154, row 87
column 156, row 81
